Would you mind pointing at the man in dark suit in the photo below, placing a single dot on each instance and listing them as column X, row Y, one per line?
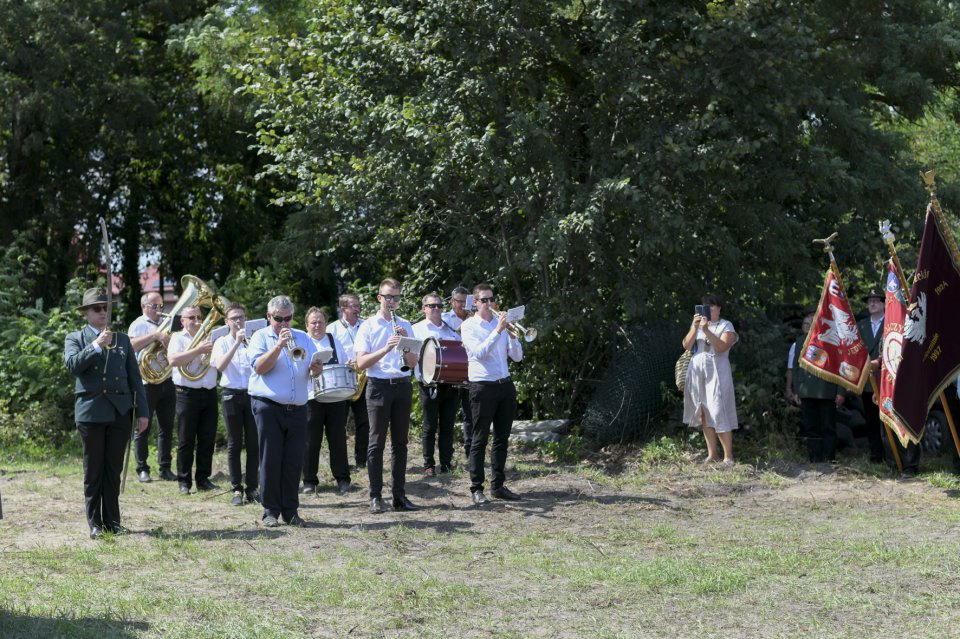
column 871, row 332
column 108, row 388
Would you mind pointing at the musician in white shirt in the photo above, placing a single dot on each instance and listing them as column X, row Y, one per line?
column 345, row 329
column 493, row 397
column 196, row 403
column 325, row 417
column 455, row 317
column 161, row 398
column 230, row 358
column 389, row 394
column 439, row 403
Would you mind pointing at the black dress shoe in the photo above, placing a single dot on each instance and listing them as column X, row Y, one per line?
column 505, row 493
column 253, row 496
column 479, row 498
column 166, row 475
column 206, row 484
column 117, row 529
column 343, row 487
column 184, row 489
column 297, row 521
column 96, row 532
column 403, row 503
column 376, row 506
column 308, row 489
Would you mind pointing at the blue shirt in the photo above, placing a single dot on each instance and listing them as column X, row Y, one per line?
column 288, row 381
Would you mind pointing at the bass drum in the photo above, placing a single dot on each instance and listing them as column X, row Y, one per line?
column 335, row 383
column 442, row 361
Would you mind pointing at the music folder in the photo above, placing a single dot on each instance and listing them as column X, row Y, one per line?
column 322, row 356
column 515, row 314
column 409, row 345
column 254, row 325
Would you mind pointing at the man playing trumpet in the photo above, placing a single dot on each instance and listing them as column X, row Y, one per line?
column 281, row 361
column 196, row 403
column 493, row 397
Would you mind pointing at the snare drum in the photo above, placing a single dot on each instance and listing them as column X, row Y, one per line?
column 335, row 383
column 442, row 361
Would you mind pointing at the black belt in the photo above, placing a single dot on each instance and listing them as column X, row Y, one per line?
column 389, row 380
column 287, row 407
column 190, row 389
column 504, row 380
column 235, row 391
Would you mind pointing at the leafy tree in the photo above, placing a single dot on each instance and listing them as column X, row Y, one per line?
column 602, row 162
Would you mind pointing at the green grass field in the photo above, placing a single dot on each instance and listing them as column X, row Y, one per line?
column 664, row 547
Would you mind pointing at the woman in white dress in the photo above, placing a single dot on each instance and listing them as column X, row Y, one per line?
column 708, row 399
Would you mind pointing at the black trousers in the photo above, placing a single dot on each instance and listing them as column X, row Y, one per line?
column 196, row 427
column 103, row 448
column 467, row 423
column 361, row 426
column 329, row 418
column 241, row 433
column 282, row 433
column 162, row 400
column 388, row 406
column 818, row 419
column 439, row 414
column 874, row 426
column 496, row 404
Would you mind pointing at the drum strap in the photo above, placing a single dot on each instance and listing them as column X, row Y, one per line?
column 333, row 360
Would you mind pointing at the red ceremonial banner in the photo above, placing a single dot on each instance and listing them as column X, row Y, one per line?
column 931, row 343
column 890, row 355
column 834, row 350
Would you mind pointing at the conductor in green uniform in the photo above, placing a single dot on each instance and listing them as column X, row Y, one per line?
column 108, row 389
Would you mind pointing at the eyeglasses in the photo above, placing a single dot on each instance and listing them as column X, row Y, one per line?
column 356, row 306
column 463, row 301
column 280, row 319
column 190, row 317
column 390, row 298
column 485, row 300
column 433, row 305
column 99, row 308
column 238, row 318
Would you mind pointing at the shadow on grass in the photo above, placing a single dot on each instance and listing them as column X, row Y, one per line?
column 542, row 502
column 14, row 625
column 444, row 527
column 215, row 535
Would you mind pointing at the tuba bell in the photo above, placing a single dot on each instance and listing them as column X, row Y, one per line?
column 196, row 368
column 152, row 361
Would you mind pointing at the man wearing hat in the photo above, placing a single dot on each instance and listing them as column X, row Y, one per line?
column 108, row 388
column 871, row 332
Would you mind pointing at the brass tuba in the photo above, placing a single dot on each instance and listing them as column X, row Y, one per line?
column 154, row 367
column 195, row 369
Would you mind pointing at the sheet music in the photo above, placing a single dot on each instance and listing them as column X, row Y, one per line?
column 515, row 314
column 254, row 325
column 410, row 345
column 322, row 356
column 219, row 332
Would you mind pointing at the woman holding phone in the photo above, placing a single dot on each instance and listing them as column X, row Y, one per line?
column 708, row 399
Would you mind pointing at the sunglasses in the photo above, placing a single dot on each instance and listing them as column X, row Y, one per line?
column 390, row 298
column 485, row 300
column 99, row 308
column 433, row 305
column 155, row 307
column 280, row 319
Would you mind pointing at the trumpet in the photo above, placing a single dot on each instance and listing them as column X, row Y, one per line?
column 296, row 352
column 516, row 330
column 403, row 352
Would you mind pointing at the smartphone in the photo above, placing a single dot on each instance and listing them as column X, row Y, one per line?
column 469, row 304
column 703, row 309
